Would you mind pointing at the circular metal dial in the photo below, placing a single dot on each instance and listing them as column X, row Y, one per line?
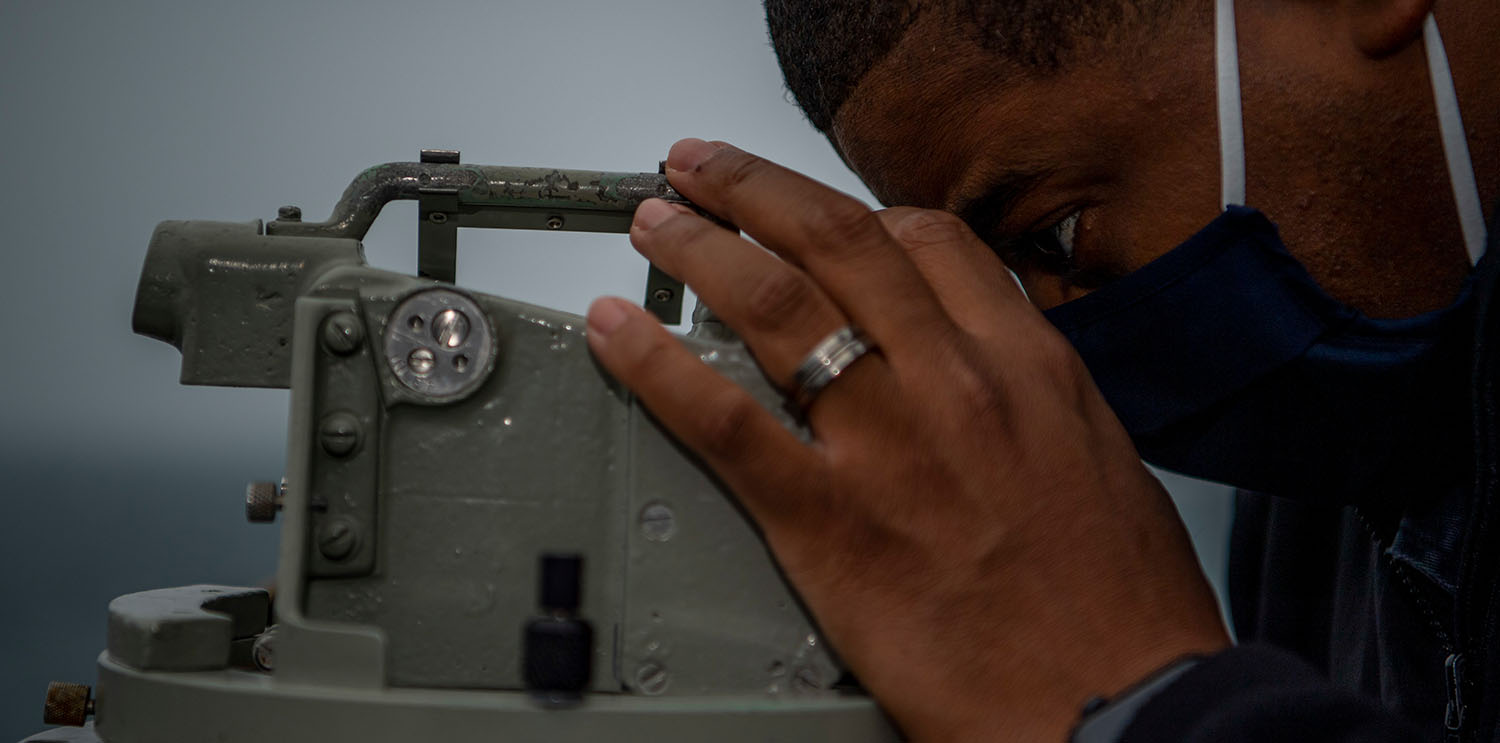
column 439, row 344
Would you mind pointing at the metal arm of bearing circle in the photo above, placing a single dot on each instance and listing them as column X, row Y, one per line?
column 450, row 195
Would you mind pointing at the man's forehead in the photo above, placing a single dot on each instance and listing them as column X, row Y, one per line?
column 909, row 127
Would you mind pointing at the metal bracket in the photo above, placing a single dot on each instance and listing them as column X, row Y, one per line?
column 343, row 471
column 663, row 296
column 437, row 233
column 443, row 207
column 663, row 293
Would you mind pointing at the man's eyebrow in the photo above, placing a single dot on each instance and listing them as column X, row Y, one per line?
column 1002, row 191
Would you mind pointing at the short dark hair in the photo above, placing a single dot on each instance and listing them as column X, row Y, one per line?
column 826, row 47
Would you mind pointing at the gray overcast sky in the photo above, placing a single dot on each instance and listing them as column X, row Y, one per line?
column 120, row 114
column 116, row 115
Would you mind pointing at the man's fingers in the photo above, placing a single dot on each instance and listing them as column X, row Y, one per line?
column 969, row 280
column 779, row 311
column 776, row 308
column 763, row 462
column 835, row 238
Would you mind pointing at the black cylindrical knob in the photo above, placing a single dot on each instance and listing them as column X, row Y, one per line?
column 558, row 654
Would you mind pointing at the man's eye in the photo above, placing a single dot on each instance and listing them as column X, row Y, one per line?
column 1057, row 240
column 1049, row 249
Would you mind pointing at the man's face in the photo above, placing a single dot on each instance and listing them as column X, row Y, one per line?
column 1129, row 145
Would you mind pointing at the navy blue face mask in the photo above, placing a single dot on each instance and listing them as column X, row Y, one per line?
column 1226, row 361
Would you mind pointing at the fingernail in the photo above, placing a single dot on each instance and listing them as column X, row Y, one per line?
column 652, row 212
column 688, row 154
column 606, row 315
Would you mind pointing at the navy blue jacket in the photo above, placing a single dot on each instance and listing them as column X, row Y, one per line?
column 1373, row 622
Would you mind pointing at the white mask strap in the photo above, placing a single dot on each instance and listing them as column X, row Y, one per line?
column 1231, row 116
column 1450, row 124
column 1455, row 142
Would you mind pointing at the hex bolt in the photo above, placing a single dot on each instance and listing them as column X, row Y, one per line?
column 289, row 214
column 662, row 295
column 337, row 539
column 450, row 328
column 437, row 218
column 339, row 433
column 651, row 679
column 421, row 361
column 554, row 223
column 262, row 501
column 658, row 523
column 343, row 333
column 68, row 704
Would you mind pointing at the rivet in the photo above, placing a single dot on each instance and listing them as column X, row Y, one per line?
column 337, row 539
column 339, row 433
column 450, row 328
column 343, row 333
column 651, row 679
column 658, row 523
column 421, row 361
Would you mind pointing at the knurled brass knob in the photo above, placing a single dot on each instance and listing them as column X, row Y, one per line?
column 262, row 501
column 68, row 704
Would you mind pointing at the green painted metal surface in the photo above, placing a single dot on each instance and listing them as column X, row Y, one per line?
column 431, row 459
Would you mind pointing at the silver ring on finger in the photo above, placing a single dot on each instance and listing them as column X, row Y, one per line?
column 827, row 360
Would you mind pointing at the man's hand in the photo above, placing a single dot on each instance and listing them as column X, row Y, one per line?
column 971, row 526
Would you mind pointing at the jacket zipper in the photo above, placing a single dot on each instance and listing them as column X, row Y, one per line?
column 1476, row 582
column 1453, row 715
column 1455, row 711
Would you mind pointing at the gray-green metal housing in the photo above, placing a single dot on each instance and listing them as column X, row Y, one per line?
column 412, row 521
